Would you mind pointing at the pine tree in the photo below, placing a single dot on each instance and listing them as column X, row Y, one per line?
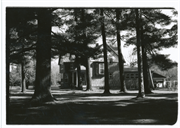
column 115, row 24
column 106, row 86
column 121, row 61
column 23, row 83
column 139, row 55
column 152, row 38
column 88, row 72
column 75, row 40
column 43, row 63
column 25, row 24
column 14, row 16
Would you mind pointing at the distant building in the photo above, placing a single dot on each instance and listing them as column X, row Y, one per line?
column 69, row 79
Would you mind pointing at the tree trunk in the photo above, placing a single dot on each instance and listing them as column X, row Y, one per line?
column 23, row 80
column 7, row 64
column 140, row 74
column 120, row 57
column 147, row 89
column 79, row 80
column 123, row 85
column 106, row 86
column 79, row 66
column 88, row 72
column 151, row 79
column 88, row 75
column 79, row 76
column 43, row 64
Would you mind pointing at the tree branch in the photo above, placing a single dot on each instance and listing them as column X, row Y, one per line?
column 19, row 51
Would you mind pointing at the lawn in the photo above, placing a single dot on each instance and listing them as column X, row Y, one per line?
column 92, row 107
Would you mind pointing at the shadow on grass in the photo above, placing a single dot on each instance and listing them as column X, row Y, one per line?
column 75, row 95
column 96, row 108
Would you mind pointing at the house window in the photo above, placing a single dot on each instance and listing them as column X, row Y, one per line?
column 136, row 75
column 132, row 75
column 127, row 76
column 110, row 75
column 101, row 68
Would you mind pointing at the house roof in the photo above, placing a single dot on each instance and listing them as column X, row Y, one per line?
column 156, row 75
column 114, row 50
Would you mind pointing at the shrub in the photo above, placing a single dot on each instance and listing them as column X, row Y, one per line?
column 15, row 79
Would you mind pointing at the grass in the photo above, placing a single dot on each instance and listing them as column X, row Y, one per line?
column 92, row 107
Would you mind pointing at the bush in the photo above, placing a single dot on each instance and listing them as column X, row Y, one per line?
column 15, row 74
column 30, row 73
column 15, row 79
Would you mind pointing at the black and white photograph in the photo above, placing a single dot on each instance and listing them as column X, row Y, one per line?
column 89, row 65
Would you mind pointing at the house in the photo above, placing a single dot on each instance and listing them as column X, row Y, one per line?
column 68, row 70
column 131, row 77
column 69, row 78
column 158, row 79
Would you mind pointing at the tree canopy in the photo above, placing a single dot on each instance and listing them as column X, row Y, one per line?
column 30, row 35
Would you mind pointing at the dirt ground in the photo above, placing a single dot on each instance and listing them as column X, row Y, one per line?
column 93, row 107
